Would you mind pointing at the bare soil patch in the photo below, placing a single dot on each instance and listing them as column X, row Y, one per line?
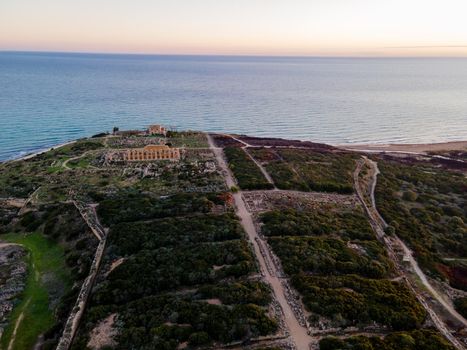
column 103, row 334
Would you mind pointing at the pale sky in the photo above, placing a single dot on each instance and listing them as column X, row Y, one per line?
column 249, row 27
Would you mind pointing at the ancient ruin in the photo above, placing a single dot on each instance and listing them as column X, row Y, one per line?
column 157, row 130
column 151, row 152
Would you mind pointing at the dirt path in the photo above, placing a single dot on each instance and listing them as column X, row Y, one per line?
column 258, row 164
column 3, row 245
column 15, row 330
column 413, row 262
column 245, row 144
column 65, row 163
column 298, row 334
column 30, row 199
column 379, row 224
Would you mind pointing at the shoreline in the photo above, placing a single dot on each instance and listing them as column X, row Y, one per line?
column 416, row 148
column 36, row 153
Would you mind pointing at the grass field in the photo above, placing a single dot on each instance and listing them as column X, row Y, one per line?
column 188, row 139
column 48, row 279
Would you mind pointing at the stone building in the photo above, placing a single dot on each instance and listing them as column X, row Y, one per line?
column 157, row 130
column 151, row 152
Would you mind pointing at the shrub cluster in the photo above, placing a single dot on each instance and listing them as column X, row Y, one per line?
column 414, row 340
column 247, row 173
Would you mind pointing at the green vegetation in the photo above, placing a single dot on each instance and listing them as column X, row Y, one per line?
column 128, row 207
column 90, row 175
column 63, row 228
column 21, row 178
column 165, row 321
column 48, row 279
column 461, row 306
column 63, row 224
column 353, row 300
column 308, row 170
column 247, row 173
column 183, row 278
column 427, row 208
column 170, row 232
column 158, row 270
column 177, row 267
column 178, row 270
column 291, row 222
column 189, row 139
column 330, row 256
column 338, row 266
column 416, row 340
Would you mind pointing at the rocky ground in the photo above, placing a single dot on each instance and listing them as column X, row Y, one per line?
column 12, row 278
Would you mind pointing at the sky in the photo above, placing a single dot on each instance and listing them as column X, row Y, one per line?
column 237, row 27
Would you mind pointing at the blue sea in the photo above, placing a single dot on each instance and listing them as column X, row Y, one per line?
column 50, row 98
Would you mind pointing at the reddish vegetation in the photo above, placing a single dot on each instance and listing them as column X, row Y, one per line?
column 259, row 141
column 460, row 155
column 457, row 275
column 266, row 155
column 227, row 198
column 225, row 141
column 450, row 163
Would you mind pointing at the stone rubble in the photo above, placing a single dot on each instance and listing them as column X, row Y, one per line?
column 13, row 273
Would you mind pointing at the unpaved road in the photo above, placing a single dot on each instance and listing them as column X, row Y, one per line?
column 65, row 163
column 298, row 334
column 379, row 223
column 258, row 164
column 409, row 254
column 18, row 322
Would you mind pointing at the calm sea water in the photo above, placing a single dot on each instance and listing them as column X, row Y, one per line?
column 46, row 98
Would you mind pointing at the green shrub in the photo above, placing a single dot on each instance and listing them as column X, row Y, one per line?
column 247, row 173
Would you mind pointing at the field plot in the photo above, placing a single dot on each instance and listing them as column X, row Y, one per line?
column 343, row 274
column 178, row 277
column 247, row 173
column 425, row 206
column 414, row 340
column 308, row 170
column 187, row 139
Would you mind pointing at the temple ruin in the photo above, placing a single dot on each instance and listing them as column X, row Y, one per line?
column 151, row 152
column 157, row 130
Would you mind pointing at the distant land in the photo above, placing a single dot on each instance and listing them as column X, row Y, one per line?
column 157, row 238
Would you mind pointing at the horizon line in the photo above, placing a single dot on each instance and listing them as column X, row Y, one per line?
column 121, row 53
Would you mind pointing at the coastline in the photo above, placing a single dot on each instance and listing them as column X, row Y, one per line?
column 416, row 148
column 34, row 154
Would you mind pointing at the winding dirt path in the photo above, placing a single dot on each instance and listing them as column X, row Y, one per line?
column 65, row 163
column 298, row 334
column 379, row 224
column 18, row 322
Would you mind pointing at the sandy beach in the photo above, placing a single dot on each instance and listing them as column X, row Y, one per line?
column 409, row 148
